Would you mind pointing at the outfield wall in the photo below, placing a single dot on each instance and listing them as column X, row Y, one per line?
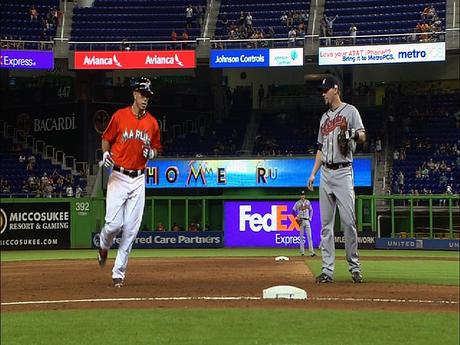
column 71, row 222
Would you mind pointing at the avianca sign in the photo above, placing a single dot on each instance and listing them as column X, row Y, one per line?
column 135, row 59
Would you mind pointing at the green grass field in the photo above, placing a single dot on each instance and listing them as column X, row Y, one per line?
column 228, row 327
column 232, row 326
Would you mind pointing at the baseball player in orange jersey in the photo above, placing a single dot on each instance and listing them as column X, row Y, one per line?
column 130, row 140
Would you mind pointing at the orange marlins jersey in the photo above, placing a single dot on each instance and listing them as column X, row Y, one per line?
column 128, row 135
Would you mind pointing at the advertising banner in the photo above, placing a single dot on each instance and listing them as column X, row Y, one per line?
column 53, row 123
column 413, row 243
column 26, row 59
column 177, row 59
column 366, row 240
column 35, row 225
column 234, row 58
column 382, row 54
column 286, row 57
column 169, row 239
column 266, row 224
column 243, row 173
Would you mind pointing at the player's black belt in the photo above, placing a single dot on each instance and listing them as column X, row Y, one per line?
column 130, row 173
column 335, row 166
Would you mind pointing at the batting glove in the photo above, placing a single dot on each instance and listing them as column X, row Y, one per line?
column 148, row 153
column 107, row 160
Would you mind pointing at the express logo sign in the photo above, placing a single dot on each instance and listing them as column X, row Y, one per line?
column 278, row 219
column 265, row 224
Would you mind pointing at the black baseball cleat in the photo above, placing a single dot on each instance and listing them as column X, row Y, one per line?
column 102, row 257
column 357, row 277
column 117, row 282
column 324, row 278
column 312, row 254
column 302, row 254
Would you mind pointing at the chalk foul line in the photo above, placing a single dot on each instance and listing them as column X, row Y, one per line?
column 224, row 298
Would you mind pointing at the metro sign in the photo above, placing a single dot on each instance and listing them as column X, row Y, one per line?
column 177, row 59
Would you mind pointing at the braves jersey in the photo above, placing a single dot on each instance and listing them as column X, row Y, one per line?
column 128, row 135
column 303, row 209
column 329, row 128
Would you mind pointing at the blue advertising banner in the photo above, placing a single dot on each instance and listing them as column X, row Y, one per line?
column 26, row 59
column 266, row 224
column 239, row 58
column 159, row 239
column 233, row 58
column 413, row 243
column 243, row 173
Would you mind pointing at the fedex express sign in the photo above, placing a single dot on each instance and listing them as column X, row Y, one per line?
column 135, row 59
column 265, row 224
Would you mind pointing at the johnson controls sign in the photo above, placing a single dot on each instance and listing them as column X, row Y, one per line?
column 265, row 224
column 176, row 59
column 233, row 58
column 382, row 54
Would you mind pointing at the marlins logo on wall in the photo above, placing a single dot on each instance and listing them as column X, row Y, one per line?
column 3, row 221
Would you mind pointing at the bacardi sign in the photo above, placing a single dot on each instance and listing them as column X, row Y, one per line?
column 135, row 59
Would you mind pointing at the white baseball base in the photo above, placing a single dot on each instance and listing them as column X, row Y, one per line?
column 284, row 291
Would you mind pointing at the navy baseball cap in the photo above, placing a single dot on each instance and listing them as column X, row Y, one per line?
column 330, row 82
column 143, row 86
column 302, row 192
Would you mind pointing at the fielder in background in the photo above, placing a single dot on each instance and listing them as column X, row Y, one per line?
column 130, row 140
column 340, row 129
column 303, row 212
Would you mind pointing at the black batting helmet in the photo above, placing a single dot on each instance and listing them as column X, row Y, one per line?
column 143, row 86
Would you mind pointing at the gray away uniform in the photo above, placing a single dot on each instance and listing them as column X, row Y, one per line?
column 303, row 209
column 336, row 187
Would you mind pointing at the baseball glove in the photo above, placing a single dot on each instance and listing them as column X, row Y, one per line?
column 344, row 136
column 298, row 221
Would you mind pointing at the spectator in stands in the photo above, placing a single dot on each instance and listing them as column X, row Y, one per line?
column 292, row 37
column 449, row 191
column 6, row 187
column 353, row 30
column 330, row 24
column 22, row 158
column 200, row 11
column 290, row 19
column 261, row 94
column 248, row 20
column 401, row 180
column 69, row 191
column 189, row 17
column 323, row 26
column 396, row 154
column 173, row 38
column 125, row 45
column 176, row 227
column 160, row 227
column 185, row 38
column 48, row 189
column 241, row 20
column 78, row 191
column 25, row 187
column 33, row 13
column 192, row 227
column 304, row 17
column 283, row 19
column 378, row 148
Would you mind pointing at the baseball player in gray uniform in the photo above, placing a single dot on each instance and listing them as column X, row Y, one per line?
column 341, row 128
column 303, row 212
